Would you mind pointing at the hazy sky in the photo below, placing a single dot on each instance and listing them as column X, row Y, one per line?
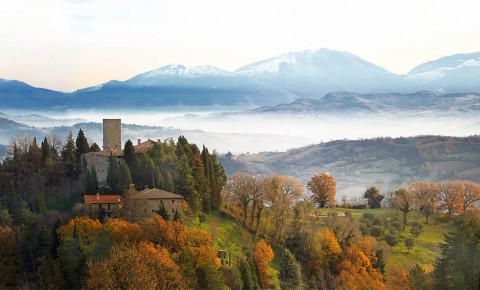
column 69, row 44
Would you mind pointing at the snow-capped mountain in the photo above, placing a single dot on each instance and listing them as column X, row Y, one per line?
column 459, row 72
column 316, row 72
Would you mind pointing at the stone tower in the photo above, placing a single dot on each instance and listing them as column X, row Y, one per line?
column 112, row 134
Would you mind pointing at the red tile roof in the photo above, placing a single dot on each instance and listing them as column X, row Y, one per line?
column 102, row 198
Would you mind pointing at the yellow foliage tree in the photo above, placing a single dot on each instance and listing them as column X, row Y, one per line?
column 169, row 234
column 123, row 232
column 84, row 229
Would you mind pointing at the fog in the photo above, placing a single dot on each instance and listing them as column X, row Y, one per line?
column 241, row 132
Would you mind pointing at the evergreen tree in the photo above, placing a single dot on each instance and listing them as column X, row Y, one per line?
column 34, row 154
column 248, row 276
column 124, row 178
column 94, row 148
column 129, row 153
column 290, row 271
column 69, row 155
column 163, row 212
column 185, row 184
column 200, row 181
column 47, row 158
column 159, row 183
column 72, row 260
column 82, row 147
column 169, row 182
column 92, row 181
column 113, row 175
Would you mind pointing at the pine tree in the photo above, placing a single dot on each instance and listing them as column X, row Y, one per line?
column 129, row 153
column 82, row 147
column 47, row 158
column 68, row 155
column 124, row 178
column 185, row 184
column 92, row 181
column 34, row 154
column 94, row 148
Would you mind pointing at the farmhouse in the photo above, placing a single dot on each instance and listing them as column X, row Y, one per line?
column 109, row 204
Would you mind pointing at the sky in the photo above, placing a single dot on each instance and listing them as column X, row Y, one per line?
column 71, row 44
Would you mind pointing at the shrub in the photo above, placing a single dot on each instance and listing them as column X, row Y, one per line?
column 392, row 240
column 376, row 231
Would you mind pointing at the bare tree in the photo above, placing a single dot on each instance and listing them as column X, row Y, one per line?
column 239, row 188
column 470, row 193
column 449, row 195
column 404, row 200
column 424, row 193
column 281, row 192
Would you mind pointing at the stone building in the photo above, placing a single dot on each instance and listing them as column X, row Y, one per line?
column 112, row 134
column 109, row 204
column 145, row 203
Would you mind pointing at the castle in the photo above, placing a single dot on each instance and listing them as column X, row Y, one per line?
column 112, row 147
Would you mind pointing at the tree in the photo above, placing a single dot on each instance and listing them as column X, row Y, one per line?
column 9, row 261
column 94, row 148
column 129, row 153
column 409, row 243
column 281, row 192
column 425, row 193
column 449, row 196
column 290, row 271
column 263, row 255
column 248, row 276
column 346, row 229
column 47, row 155
column 416, row 229
column 82, row 147
column 392, row 240
column 418, row 279
column 163, row 212
column 374, row 197
column 239, row 190
column 403, row 200
column 125, row 178
column 92, row 181
column 470, row 194
column 323, row 188
column 69, row 155
column 143, row 266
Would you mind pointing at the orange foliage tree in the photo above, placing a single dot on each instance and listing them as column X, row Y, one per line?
column 122, row 231
column 323, row 187
column 144, row 266
column 356, row 271
column 164, row 233
column 263, row 255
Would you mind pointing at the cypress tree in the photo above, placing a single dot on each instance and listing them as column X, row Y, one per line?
column 129, row 153
column 92, row 181
column 47, row 158
column 68, row 155
column 124, row 178
column 82, row 147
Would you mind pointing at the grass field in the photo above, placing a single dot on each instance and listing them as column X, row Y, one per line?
column 427, row 244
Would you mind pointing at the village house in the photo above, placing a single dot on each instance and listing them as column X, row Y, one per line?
column 108, row 205
column 147, row 202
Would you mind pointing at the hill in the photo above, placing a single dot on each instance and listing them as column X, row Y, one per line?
column 384, row 162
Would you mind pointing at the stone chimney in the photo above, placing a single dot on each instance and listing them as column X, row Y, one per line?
column 139, row 140
column 98, row 196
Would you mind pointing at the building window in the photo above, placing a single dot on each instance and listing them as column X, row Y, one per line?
column 173, row 201
column 108, row 206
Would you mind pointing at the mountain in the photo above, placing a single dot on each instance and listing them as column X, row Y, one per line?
column 313, row 73
column 384, row 162
column 175, row 85
column 355, row 102
column 16, row 94
column 296, row 75
column 455, row 73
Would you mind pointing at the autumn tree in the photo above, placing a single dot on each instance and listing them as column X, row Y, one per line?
column 168, row 234
column 449, row 196
column 404, row 200
column 424, row 194
column 281, row 192
column 263, row 254
column 323, row 189
column 144, row 266
column 373, row 196
column 469, row 194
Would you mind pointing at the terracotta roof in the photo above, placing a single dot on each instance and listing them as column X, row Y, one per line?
column 144, row 146
column 155, row 193
column 102, row 198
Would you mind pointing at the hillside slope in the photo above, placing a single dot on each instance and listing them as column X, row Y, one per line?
column 385, row 162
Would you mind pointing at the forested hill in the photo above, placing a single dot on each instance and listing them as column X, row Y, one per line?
column 384, row 162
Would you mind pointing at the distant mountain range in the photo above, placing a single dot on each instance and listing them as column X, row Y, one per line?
column 281, row 79
column 425, row 101
column 387, row 163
